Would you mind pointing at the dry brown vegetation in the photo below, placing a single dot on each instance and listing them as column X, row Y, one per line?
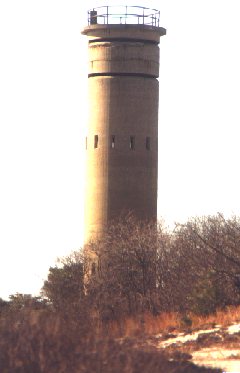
column 224, row 317
column 141, row 268
column 172, row 321
column 144, row 280
column 43, row 342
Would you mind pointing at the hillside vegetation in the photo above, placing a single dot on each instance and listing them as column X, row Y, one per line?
column 139, row 279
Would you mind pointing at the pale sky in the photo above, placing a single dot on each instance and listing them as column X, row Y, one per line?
column 43, row 118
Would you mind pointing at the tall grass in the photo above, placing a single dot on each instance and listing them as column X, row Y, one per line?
column 44, row 342
column 145, row 324
column 166, row 322
column 224, row 317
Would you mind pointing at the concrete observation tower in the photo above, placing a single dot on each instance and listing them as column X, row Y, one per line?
column 122, row 139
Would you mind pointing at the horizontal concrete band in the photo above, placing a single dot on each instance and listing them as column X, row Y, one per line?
column 140, row 75
column 103, row 40
column 145, row 32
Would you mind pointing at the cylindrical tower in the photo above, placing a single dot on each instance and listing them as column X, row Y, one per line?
column 122, row 139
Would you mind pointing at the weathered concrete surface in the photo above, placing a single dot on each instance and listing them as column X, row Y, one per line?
column 124, row 57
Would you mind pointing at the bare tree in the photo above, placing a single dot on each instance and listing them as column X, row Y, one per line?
column 125, row 279
column 210, row 247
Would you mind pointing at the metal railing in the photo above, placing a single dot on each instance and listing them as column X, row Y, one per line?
column 107, row 15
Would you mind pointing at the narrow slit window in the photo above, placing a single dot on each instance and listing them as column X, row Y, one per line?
column 93, row 268
column 86, row 143
column 148, row 143
column 132, row 143
column 113, row 142
column 95, row 141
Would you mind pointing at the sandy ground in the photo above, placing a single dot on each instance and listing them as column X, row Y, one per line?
column 213, row 357
column 183, row 338
column 216, row 347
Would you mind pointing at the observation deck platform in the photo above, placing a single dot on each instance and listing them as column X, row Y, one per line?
column 113, row 22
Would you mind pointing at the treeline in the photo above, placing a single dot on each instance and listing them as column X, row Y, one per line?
column 139, row 267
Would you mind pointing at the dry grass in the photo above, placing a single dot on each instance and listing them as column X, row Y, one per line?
column 146, row 324
column 43, row 342
column 167, row 322
column 164, row 322
column 40, row 341
column 221, row 317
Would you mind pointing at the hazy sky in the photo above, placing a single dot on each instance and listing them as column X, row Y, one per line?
column 43, row 100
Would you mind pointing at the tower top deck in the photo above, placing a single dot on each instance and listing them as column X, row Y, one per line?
column 131, row 22
column 108, row 15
